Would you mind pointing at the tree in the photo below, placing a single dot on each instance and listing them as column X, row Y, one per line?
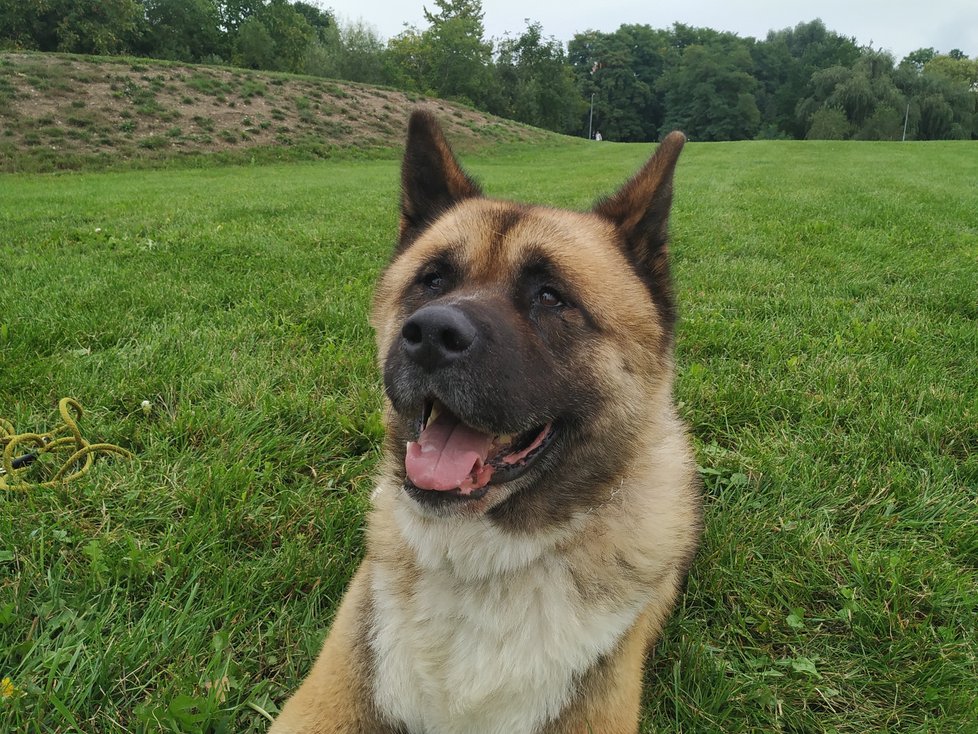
column 866, row 92
column 536, row 83
column 235, row 12
column 184, row 30
column 256, row 47
column 98, row 26
column 917, row 59
column 784, row 64
column 620, row 70
column 941, row 105
column 459, row 56
column 409, row 58
column 957, row 69
column 276, row 36
column 709, row 92
column 449, row 58
column 362, row 55
column 20, row 24
column 290, row 31
column 76, row 26
column 318, row 19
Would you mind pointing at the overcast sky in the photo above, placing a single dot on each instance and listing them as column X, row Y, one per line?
column 896, row 25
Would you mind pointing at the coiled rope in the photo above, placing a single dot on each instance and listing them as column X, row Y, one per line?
column 22, row 450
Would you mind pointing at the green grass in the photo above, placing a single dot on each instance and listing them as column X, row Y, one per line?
column 827, row 367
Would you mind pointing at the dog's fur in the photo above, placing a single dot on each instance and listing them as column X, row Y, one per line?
column 525, row 606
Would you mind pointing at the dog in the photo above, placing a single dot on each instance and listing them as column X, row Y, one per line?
column 538, row 504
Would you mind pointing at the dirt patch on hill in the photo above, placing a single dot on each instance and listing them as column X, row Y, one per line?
column 64, row 112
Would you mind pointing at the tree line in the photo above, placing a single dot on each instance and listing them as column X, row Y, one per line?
column 633, row 84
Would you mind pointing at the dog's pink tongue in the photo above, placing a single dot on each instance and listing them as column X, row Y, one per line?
column 449, row 455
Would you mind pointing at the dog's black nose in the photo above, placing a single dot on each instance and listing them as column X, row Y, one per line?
column 438, row 335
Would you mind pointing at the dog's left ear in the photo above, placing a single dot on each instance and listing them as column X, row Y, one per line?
column 432, row 181
column 640, row 211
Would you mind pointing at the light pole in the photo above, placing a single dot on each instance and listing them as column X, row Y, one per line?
column 590, row 117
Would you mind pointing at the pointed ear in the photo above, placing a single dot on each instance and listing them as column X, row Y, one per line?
column 432, row 181
column 640, row 211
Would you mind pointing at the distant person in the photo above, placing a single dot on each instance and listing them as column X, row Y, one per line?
column 597, row 136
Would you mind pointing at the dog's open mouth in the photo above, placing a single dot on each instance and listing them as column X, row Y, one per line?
column 450, row 456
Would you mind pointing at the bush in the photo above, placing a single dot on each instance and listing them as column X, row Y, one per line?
column 829, row 123
column 885, row 123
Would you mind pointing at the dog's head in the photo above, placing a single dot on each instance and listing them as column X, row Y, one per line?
column 524, row 350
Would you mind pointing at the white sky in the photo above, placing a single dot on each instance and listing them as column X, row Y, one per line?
column 896, row 25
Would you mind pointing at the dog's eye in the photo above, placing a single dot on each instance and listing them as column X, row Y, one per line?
column 433, row 281
column 549, row 298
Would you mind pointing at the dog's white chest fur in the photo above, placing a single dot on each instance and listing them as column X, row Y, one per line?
column 491, row 655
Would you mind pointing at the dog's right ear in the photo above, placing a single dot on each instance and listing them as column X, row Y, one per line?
column 432, row 181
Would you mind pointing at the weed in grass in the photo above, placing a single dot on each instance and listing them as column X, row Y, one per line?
column 204, row 123
column 154, row 142
column 151, row 108
column 78, row 120
column 206, row 84
column 252, row 88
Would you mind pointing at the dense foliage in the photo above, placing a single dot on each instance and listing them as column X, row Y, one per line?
column 632, row 84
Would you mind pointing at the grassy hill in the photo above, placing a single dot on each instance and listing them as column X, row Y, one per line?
column 64, row 112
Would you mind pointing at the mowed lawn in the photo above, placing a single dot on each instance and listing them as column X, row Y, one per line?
column 828, row 367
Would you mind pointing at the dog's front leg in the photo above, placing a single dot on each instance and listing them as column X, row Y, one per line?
column 609, row 695
column 336, row 698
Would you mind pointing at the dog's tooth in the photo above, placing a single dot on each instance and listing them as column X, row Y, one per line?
column 504, row 439
column 435, row 412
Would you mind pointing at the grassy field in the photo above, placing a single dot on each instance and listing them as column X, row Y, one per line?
column 828, row 366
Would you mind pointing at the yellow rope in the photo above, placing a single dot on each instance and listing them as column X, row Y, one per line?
column 32, row 445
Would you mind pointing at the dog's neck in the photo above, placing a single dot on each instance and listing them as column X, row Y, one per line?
column 471, row 548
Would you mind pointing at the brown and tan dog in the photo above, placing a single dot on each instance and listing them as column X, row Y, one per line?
column 538, row 505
